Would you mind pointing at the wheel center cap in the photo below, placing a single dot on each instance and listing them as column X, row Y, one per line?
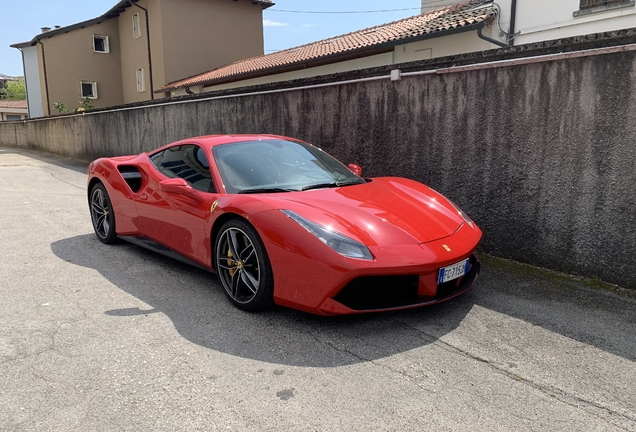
column 239, row 264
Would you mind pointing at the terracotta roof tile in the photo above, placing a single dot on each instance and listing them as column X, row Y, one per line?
column 18, row 104
column 437, row 21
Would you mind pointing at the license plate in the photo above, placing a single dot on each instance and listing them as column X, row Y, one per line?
column 453, row 271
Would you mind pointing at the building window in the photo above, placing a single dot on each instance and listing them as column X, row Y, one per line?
column 13, row 117
column 100, row 44
column 89, row 89
column 141, row 81
column 588, row 4
column 136, row 28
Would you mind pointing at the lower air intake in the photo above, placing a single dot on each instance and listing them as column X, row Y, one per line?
column 379, row 292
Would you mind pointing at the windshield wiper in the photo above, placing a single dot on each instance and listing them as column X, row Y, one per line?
column 330, row 185
column 265, row 190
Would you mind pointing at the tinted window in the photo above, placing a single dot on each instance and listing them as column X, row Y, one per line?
column 279, row 164
column 187, row 162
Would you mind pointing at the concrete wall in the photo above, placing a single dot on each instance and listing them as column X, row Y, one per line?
column 542, row 156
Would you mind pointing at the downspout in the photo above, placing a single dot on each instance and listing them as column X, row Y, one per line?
column 152, row 87
column 489, row 39
column 513, row 19
column 46, row 79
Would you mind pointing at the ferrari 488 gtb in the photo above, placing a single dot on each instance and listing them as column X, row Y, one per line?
column 280, row 221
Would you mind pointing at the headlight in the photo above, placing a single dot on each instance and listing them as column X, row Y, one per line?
column 336, row 241
column 468, row 220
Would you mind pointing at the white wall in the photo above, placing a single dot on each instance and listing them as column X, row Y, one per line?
column 540, row 20
column 362, row 63
column 32, row 79
column 441, row 47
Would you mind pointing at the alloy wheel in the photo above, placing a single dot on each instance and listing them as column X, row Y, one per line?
column 238, row 265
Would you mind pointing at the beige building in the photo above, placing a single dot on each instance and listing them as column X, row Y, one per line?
column 11, row 110
column 135, row 48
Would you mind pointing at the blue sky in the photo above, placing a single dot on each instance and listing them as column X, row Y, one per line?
column 21, row 21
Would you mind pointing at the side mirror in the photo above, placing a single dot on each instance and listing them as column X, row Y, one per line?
column 356, row 169
column 179, row 186
column 175, row 186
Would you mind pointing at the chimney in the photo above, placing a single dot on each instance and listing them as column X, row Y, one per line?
column 46, row 29
column 57, row 27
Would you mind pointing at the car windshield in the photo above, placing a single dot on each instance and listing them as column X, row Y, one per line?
column 278, row 166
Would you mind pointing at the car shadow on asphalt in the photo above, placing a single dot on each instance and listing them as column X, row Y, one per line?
column 194, row 301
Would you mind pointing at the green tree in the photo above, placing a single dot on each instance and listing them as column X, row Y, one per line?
column 14, row 90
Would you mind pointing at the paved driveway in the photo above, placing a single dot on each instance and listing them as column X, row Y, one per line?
column 101, row 338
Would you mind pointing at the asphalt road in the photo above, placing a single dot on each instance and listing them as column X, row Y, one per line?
column 116, row 338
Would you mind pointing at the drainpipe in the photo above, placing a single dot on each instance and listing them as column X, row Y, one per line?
column 152, row 88
column 489, row 39
column 513, row 19
column 46, row 79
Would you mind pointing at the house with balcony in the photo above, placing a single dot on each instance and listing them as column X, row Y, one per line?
column 135, row 48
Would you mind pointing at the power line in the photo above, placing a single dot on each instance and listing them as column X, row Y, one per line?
column 340, row 12
column 431, row 3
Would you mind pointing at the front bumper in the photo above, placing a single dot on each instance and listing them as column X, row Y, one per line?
column 384, row 293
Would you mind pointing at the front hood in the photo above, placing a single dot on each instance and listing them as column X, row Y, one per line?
column 387, row 211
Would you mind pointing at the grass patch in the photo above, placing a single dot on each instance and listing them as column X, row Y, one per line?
column 554, row 277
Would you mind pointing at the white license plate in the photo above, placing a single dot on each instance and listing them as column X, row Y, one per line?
column 453, row 271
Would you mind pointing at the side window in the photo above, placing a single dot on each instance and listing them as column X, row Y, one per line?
column 188, row 162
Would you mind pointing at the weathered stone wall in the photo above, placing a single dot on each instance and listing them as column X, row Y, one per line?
column 542, row 156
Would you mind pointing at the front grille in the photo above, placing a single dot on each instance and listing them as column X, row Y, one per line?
column 379, row 292
column 386, row 292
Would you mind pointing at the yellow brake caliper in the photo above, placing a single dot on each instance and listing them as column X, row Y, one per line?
column 230, row 263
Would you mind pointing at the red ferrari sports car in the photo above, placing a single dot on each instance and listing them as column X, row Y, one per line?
column 280, row 221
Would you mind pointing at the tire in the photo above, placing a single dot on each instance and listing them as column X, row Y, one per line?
column 102, row 215
column 248, row 282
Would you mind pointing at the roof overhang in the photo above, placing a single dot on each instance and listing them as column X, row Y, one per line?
column 114, row 12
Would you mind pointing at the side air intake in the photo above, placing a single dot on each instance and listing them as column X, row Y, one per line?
column 132, row 176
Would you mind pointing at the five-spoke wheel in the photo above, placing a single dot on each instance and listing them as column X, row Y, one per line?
column 102, row 215
column 243, row 266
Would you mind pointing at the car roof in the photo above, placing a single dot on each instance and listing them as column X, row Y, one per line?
column 215, row 140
